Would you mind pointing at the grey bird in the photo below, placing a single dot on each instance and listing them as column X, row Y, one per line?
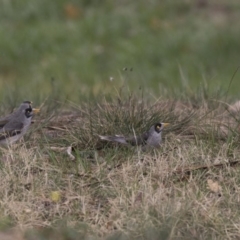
column 152, row 137
column 15, row 125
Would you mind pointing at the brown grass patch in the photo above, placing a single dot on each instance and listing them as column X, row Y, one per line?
column 109, row 189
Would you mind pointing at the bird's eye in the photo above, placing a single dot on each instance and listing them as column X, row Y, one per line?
column 158, row 127
column 28, row 110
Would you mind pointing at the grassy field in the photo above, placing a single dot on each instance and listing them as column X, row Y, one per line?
column 170, row 47
column 104, row 67
column 62, row 182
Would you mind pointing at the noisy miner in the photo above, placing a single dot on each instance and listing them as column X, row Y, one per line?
column 152, row 137
column 15, row 125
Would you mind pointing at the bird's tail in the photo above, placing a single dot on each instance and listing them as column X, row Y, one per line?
column 116, row 138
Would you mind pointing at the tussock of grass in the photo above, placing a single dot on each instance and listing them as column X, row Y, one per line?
column 110, row 190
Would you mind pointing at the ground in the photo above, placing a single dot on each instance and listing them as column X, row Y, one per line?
column 101, row 68
column 186, row 189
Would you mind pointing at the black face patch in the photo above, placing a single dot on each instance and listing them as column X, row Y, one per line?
column 158, row 127
column 28, row 112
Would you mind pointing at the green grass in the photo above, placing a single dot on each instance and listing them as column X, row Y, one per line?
column 171, row 47
column 169, row 61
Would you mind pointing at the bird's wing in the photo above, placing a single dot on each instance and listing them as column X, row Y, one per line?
column 2, row 123
column 7, row 134
column 6, row 119
column 133, row 140
column 138, row 140
column 116, row 138
column 11, row 129
column 12, row 126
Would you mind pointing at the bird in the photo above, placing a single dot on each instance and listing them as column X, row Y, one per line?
column 16, row 124
column 152, row 137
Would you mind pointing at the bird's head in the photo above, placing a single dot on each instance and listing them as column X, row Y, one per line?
column 158, row 127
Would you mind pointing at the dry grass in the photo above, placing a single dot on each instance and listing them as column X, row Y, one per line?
column 115, row 192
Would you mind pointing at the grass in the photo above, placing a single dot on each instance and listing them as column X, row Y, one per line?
column 102, row 68
column 171, row 47
column 114, row 192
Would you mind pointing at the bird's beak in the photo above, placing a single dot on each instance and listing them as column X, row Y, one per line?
column 166, row 124
column 36, row 110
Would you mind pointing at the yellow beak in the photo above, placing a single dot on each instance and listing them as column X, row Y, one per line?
column 166, row 124
column 36, row 110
